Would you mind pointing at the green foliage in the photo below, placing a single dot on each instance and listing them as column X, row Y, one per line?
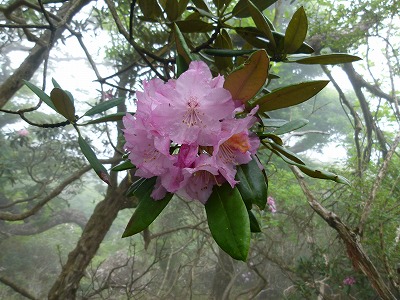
column 229, row 221
column 148, row 208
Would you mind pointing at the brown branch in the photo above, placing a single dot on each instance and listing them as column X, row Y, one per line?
column 355, row 251
column 16, row 288
column 6, row 216
column 141, row 51
column 37, row 54
column 36, row 227
column 377, row 184
column 356, row 118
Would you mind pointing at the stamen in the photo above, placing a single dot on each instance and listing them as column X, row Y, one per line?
column 192, row 116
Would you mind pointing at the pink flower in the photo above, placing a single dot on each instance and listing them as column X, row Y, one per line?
column 23, row 132
column 271, row 204
column 235, row 146
column 349, row 281
column 185, row 133
column 195, row 106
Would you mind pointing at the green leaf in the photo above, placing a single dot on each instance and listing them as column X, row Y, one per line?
column 273, row 122
column 322, row 174
column 134, row 186
column 147, row 210
column 172, row 10
column 228, row 221
column 125, row 165
column 103, row 106
column 223, row 41
column 290, row 95
column 328, row 59
column 314, row 173
column 289, row 154
column 290, row 126
column 227, row 52
column 109, row 118
column 253, row 184
column 261, row 22
column 42, row 95
column 201, row 5
column 181, row 46
column 258, row 39
column 244, row 83
column 94, row 162
column 241, row 9
column 181, row 65
column 295, row 32
column 254, row 226
column 269, row 135
column 150, row 9
column 194, row 26
column 55, row 83
column 204, row 12
column 182, row 6
column 63, row 103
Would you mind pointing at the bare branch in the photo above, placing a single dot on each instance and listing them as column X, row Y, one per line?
column 17, row 288
column 355, row 251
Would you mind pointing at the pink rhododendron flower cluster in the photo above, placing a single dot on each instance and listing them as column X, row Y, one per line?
column 185, row 133
column 271, row 204
column 349, row 281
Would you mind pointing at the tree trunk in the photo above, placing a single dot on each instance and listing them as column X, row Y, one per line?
column 97, row 227
column 223, row 275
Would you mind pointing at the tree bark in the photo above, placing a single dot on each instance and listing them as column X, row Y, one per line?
column 97, row 227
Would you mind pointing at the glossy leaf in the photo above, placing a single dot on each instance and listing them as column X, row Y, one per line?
column 245, row 82
column 93, row 160
column 290, row 126
column 228, row 221
column 55, row 83
column 290, row 95
column 194, row 26
column 125, row 165
column 150, row 9
column 241, row 9
column 109, row 118
column 182, row 5
column 314, row 173
column 328, row 59
column 252, row 184
column 258, row 39
column 287, row 153
column 227, row 52
column 273, row 122
column 271, row 136
column 181, row 46
column 63, row 103
column 203, row 12
column 172, row 10
column 103, row 106
column 295, row 32
column 181, row 65
column 254, row 226
column 261, row 22
column 201, row 4
column 223, row 41
column 42, row 95
column 147, row 210
column 134, row 186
